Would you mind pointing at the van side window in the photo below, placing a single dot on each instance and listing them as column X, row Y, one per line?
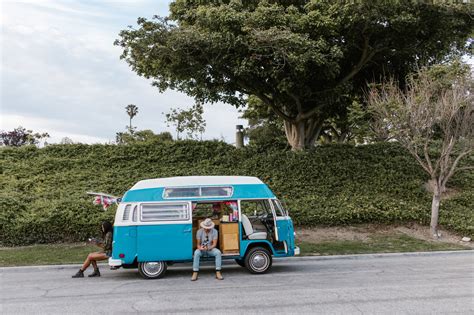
column 126, row 212
column 165, row 212
column 202, row 210
column 181, row 192
column 216, row 191
column 197, row 192
column 280, row 212
column 134, row 214
column 255, row 208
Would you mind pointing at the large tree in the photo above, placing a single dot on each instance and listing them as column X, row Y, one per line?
column 303, row 59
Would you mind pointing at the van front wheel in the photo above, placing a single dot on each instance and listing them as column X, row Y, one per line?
column 152, row 269
column 258, row 260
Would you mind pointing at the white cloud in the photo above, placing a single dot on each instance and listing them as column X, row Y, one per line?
column 57, row 129
column 60, row 72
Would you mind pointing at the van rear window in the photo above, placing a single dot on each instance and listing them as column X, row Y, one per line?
column 198, row 192
column 165, row 212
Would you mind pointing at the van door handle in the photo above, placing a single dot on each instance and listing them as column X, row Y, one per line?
column 187, row 230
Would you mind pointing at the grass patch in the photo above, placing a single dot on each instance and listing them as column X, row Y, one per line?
column 375, row 244
column 56, row 254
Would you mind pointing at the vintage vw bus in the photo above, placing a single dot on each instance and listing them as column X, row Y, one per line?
column 157, row 219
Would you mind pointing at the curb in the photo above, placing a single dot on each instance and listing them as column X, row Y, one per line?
column 464, row 252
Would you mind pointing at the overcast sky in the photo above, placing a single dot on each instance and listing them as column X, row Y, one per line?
column 61, row 73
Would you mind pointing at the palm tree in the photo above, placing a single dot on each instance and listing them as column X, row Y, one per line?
column 132, row 111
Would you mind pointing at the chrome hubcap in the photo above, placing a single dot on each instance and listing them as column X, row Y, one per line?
column 153, row 268
column 259, row 261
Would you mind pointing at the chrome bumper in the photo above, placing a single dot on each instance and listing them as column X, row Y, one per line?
column 115, row 262
column 297, row 250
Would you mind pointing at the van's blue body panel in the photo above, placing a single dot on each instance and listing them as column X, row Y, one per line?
column 166, row 242
column 250, row 191
column 125, row 242
column 286, row 233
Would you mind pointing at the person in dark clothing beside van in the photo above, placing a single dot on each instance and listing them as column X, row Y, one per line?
column 92, row 258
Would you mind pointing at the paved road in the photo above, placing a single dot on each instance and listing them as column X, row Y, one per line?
column 426, row 284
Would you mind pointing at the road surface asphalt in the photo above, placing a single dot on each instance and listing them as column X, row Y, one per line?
column 362, row 284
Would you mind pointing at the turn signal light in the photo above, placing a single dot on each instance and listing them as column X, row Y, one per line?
column 122, row 255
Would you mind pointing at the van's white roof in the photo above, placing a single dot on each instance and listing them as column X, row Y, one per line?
column 196, row 181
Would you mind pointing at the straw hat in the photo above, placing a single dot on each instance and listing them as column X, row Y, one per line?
column 207, row 224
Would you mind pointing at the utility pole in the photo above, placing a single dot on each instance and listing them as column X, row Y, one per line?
column 239, row 136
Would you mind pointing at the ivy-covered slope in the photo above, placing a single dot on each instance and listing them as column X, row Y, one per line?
column 43, row 196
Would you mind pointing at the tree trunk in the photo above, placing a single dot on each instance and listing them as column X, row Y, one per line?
column 303, row 134
column 435, row 212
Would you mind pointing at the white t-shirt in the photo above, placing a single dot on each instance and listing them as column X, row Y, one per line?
column 205, row 239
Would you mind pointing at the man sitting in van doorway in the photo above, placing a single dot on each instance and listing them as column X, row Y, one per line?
column 206, row 238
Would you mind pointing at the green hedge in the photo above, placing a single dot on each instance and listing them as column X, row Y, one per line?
column 43, row 196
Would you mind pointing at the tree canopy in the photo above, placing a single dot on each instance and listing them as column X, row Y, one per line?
column 303, row 59
column 189, row 120
column 20, row 136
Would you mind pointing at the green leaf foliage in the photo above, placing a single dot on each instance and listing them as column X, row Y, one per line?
column 304, row 60
column 43, row 196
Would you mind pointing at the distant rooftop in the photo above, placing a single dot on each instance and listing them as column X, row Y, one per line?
column 181, row 181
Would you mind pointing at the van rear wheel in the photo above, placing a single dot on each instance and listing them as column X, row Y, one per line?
column 258, row 260
column 152, row 269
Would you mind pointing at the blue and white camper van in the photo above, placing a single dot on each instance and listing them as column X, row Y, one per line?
column 157, row 219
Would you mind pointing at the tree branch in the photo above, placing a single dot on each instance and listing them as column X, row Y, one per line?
column 297, row 101
column 364, row 58
column 455, row 163
column 419, row 160
column 427, row 156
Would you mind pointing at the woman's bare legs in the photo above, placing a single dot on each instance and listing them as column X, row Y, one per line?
column 92, row 258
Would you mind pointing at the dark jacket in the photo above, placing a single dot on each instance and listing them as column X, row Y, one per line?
column 108, row 244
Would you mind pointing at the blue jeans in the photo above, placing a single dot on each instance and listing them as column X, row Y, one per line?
column 213, row 252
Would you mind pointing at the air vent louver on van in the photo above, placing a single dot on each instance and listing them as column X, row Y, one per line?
column 126, row 212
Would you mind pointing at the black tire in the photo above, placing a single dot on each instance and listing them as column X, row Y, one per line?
column 152, row 269
column 258, row 260
column 240, row 262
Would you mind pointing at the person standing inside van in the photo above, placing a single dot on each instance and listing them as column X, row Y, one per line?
column 92, row 258
column 206, row 238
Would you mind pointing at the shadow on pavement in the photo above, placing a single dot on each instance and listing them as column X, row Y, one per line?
column 184, row 270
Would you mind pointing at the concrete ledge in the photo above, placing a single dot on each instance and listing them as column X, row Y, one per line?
column 466, row 252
